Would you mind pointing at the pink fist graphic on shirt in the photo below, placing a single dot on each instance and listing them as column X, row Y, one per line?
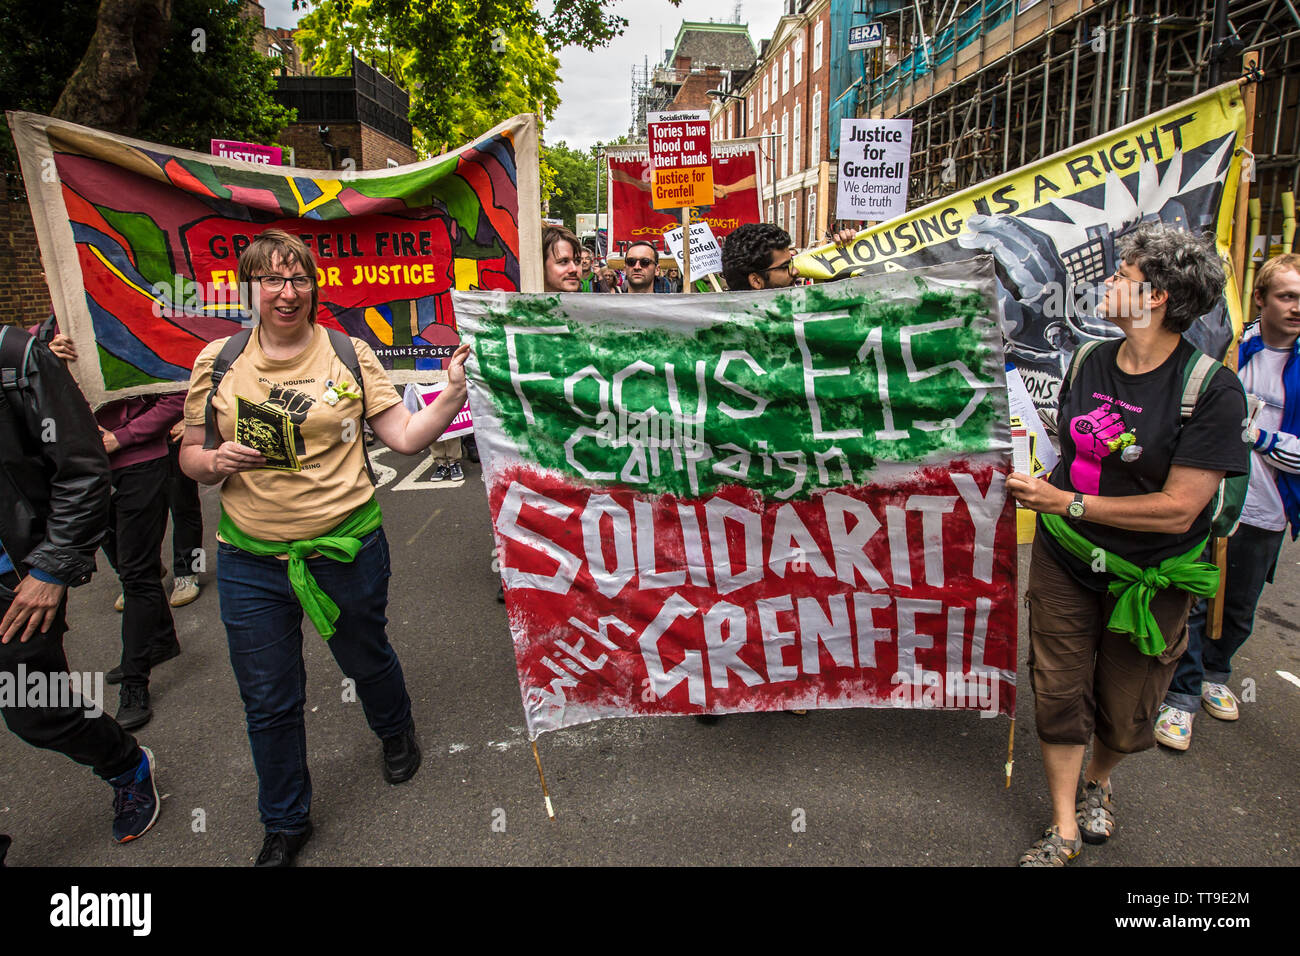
column 1092, row 433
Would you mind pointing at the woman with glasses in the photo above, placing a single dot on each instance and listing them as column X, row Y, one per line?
column 300, row 528
column 1123, row 520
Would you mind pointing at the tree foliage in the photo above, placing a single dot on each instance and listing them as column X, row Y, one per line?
column 574, row 182
column 213, row 84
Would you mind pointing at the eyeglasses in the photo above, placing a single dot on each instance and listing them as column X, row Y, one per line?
column 788, row 266
column 639, row 262
column 275, row 284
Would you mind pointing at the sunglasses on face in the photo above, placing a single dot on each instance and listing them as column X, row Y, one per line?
column 640, row 262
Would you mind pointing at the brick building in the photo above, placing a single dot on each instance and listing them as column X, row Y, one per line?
column 703, row 56
column 785, row 98
column 362, row 117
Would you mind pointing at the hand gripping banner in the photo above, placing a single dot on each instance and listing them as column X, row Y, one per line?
column 1053, row 226
column 140, row 245
column 751, row 501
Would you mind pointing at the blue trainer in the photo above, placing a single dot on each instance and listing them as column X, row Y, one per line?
column 135, row 800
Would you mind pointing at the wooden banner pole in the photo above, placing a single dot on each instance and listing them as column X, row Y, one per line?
column 686, row 248
column 550, row 811
column 1239, row 252
column 1011, row 760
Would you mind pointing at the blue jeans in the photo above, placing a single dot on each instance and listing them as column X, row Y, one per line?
column 264, row 629
column 1252, row 557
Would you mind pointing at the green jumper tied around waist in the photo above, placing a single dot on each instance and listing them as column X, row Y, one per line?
column 340, row 544
column 1134, row 587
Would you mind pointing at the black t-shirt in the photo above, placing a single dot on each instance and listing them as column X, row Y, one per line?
column 1120, row 434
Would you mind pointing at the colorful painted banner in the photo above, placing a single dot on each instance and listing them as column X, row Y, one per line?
column 1053, row 228
column 140, row 245
column 739, row 502
column 633, row 218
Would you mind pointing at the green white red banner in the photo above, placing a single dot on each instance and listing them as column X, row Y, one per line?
column 741, row 502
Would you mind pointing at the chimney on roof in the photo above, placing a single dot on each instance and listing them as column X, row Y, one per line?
column 682, row 63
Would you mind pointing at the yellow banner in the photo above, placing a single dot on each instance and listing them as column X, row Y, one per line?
column 1052, row 227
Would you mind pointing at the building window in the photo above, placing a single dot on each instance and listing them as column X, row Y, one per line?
column 765, row 97
column 813, row 238
column 817, row 46
column 815, row 144
column 775, row 92
column 781, row 215
column 769, row 213
column 794, row 220
column 785, row 72
column 785, row 145
column 798, row 59
column 796, row 154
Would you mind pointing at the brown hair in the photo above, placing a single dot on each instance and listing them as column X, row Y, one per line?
column 272, row 244
column 553, row 234
column 1287, row 260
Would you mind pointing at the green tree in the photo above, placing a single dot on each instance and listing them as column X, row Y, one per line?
column 574, row 182
column 200, row 86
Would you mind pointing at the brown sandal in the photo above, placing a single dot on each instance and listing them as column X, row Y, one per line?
column 1095, row 813
column 1052, row 849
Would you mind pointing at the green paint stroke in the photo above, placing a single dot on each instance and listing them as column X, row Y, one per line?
column 153, row 255
column 844, row 322
column 119, row 374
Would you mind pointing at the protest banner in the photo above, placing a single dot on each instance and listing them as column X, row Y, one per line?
column 875, row 155
column 1053, row 226
column 419, row 396
column 140, row 241
column 792, row 498
column 706, row 254
column 680, row 143
column 247, row 152
column 633, row 218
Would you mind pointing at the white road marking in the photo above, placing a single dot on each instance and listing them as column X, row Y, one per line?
column 1288, row 676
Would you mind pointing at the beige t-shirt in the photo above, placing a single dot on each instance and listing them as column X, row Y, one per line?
column 317, row 475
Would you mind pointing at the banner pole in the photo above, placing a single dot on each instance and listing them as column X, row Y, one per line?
column 550, row 812
column 1239, row 252
column 1011, row 760
column 686, row 248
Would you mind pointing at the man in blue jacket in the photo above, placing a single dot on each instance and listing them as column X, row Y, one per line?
column 54, row 504
column 1268, row 362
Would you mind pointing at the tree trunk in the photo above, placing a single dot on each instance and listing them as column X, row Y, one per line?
column 109, row 85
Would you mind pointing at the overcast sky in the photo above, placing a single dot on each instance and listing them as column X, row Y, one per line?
column 596, row 88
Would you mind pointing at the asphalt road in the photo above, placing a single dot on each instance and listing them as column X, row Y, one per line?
column 877, row 787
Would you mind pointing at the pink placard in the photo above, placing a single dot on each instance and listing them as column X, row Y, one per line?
column 248, row 152
column 462, row 424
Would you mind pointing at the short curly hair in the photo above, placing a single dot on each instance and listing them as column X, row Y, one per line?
column 749, row 249
column 1176, row 262
column 261, row 254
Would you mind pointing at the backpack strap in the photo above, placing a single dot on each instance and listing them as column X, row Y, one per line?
column 1076, row 363
column 347, row 353
column 220, row 365
column 1198, row 371
column 15, row 353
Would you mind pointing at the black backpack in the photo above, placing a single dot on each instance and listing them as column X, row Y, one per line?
column 235, row 346
column 15, row 353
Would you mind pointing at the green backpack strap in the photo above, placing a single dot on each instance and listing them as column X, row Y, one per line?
column 1080, row 354
column 1230, row 497
column 1197, row 375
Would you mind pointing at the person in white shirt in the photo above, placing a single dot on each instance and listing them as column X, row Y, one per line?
column 1269, row 367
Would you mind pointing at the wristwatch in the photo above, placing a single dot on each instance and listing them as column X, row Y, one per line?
column 1076, row 508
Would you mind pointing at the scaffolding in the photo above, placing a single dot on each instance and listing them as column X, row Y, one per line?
column 994, row 84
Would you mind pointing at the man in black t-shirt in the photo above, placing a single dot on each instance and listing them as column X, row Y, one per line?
column 1126, row 507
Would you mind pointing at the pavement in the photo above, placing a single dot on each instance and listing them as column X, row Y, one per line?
column 838, row 787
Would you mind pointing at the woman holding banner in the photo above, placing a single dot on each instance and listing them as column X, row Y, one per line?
column 1123, row 520
column 300, row 527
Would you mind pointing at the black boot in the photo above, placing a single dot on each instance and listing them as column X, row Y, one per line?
column 401, row 756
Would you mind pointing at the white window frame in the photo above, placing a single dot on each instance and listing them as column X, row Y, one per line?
column 798, row 59
column 796, row 147
column 776, row 90
column 785, row 72
column 780, row 221
column 813, row 238
column 785, row 145
column 815, row 136
column 817, row 46
column 794, row 220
